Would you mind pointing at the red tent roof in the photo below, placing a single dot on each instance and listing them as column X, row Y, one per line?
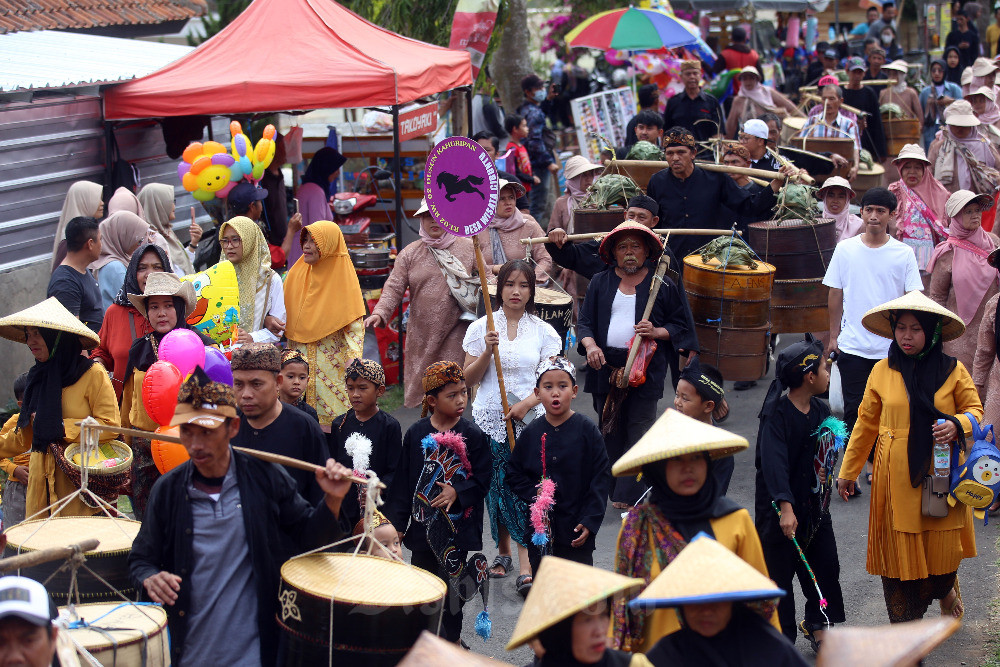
column 292, row 55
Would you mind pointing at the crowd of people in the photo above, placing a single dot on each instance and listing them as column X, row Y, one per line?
column 912, row 330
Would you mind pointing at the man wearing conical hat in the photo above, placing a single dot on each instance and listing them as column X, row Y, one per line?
column 721, row 603
column 63, row 388
column 610, row 318
column 567, row 614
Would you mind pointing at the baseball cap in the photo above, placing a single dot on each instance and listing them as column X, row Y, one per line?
column 204, row 402
column 830, row 53
column 244, row 194
column 855, row 63
column 756, row 128
column 26, row 599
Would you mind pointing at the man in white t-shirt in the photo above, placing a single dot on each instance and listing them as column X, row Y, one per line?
column 865, row 271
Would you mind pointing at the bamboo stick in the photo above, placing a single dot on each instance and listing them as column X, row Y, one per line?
column 867, row 82
column 661, row 232
column 33, row 558
column 481, row 263
column 848, row 107
column 707, row 166
column 804, row 177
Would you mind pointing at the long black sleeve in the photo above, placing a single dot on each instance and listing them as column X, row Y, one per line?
column 595, row 500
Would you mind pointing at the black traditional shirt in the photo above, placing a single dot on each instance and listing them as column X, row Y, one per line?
column 686, row 111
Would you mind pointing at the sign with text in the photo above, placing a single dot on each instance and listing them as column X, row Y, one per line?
column 461, row 186
column 472, row 28
column 418, row 122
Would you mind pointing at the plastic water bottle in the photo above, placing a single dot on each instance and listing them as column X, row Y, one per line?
column 942, row 457
column 831, row 34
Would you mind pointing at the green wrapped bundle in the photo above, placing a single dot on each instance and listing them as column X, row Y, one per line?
column 796, row 202
column 892, row 110
column 865, row 158
column 644, row 150
column 611, row 190
column 729, row 251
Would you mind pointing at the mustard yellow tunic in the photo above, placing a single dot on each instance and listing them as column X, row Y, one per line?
column 91, row 396
column 134, row 413
column 737, row 533
column 902, row 543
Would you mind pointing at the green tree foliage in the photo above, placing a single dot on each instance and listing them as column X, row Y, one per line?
column 228, row 10
column 426, row 20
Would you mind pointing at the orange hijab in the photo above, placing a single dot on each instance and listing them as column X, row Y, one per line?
column 322, row 298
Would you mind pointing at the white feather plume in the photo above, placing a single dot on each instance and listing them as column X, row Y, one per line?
column 359, row 448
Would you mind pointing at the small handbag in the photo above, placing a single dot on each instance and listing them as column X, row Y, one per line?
column 934, row 496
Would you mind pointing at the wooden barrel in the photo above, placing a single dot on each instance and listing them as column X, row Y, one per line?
column 843, row 146
column 799, row 306
column 899, row 132
column 790, row 128
column 866, row 179
column 109, row 560
column 796, row 249
column 551, row 306
column 739, row 354
column 736, row 296
column 119, row 633
column 379, row 608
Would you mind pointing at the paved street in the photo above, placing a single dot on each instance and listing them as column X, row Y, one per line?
column 862, row 591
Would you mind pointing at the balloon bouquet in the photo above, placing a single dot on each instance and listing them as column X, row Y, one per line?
column 180, row 352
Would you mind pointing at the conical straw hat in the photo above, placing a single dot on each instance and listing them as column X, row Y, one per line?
column 896, row 645
column 674, row 434
column 432, row 651
column 561, row 589
column 876, row 320
column 653, row 242
column 49, row 314
column 704, row 572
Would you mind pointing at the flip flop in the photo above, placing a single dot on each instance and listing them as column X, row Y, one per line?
column 957, row 602
column 506, row 562
column 523, row 584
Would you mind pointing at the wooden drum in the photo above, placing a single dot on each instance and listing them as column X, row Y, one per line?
column 739, row 354
column 122, row 634
column 796, row 249
column 379, row 608
column 899, row 132
column 799, row 306
column 109, row 560
column 734, row 296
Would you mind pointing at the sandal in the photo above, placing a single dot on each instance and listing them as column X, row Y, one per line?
column 868, row 478
column 956, row 604
column 621, row 506
column 503, row 562
column 807, row 632
column 523, row 584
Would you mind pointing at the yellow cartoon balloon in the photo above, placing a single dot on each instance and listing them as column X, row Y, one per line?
column 217, row 311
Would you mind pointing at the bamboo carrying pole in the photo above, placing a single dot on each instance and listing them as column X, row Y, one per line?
column 707, row 166
column 33, row 558
column 662, row 232
column 264, row 456
column 805, row 178
column 661, row 268
column 848, row 107
column 481, row 263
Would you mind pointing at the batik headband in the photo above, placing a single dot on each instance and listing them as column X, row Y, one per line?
column 292, row 356
column 203, row 393
column 555, row 363
column 378, row 519
column 441, row 373
column 677, row 138
column 704, row 385
column 367, row 370
column 256, row 357
column 739, row 150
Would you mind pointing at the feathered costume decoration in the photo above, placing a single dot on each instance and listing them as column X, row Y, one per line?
column 545, row 500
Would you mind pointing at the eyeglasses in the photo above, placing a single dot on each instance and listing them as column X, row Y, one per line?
column 231, row 242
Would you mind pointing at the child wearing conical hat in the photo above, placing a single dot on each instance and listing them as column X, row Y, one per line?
column 716, row 597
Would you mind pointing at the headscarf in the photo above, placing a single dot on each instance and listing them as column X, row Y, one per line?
column 120, row 232
column 325, row 297
column 931, row 192
column 326, row 161
column 82, row 200
column 576, row 196
column 746, row 640
column 366, row 369
column 688, row 514
column 991, row 114
column 253, row 273
column 131, row 284
column 443, row 242
column 971, row 275
column 124, row 200
column 847, row 223
column 41, row 406
column 760, row 94
column 557, row 640
column 953, row 74
column 923, row 374
column 515, row 221
column 157, row 200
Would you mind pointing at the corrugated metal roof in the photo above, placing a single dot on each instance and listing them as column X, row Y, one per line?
column 53, row 59
column 53, row 14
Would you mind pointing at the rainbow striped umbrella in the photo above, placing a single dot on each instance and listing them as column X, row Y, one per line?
column 636, row 29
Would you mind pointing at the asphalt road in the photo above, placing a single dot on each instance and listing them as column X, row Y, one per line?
column 862, row 591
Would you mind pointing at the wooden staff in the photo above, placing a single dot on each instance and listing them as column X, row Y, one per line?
column 867, row 82
column 661, row 268
column 265, row 456
column 661, row 232
column 33, row 558
column 707, row 166
column 481, row 263
column 805, row 178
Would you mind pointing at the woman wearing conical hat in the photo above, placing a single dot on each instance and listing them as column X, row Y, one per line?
column 63, row 388
column 722, row 605
column 567, row 614
column 676, row 457
column 915, row 399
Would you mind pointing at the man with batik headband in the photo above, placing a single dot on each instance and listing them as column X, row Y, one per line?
column 270, row 425
column 690, row 197
column 694, row 109
column 611, row 316
column 437, row 496
column 193, row 552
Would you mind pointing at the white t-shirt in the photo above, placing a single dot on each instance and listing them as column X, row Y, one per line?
column 869, row 278
column 621, row 329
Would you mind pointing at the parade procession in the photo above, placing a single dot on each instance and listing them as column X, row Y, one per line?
column 497, row 332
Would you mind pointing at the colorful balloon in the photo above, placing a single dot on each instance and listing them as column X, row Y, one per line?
column 217, row 310
column 168, row 455
column 205, row 171
column 184, row 349
column 159, row 390
column 217, row 366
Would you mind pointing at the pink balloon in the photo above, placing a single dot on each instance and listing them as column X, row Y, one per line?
column 184, row 349
column 223, row 192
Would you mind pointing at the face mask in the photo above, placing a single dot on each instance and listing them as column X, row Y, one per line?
column 887, row 39
column 540, row 95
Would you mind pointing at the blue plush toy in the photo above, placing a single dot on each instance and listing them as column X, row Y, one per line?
column 977, row 481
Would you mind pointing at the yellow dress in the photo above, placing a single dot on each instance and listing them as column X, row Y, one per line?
column 736, row 531
column 91, row 396
column 902, row 543
column 328, row 359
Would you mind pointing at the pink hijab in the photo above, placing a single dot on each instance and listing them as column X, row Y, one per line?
column 125, row 200
column 971, row 276
column 847, row 223
column 929, row 189
column 440, row 243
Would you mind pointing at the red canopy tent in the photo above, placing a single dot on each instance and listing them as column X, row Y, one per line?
column 283, row 55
